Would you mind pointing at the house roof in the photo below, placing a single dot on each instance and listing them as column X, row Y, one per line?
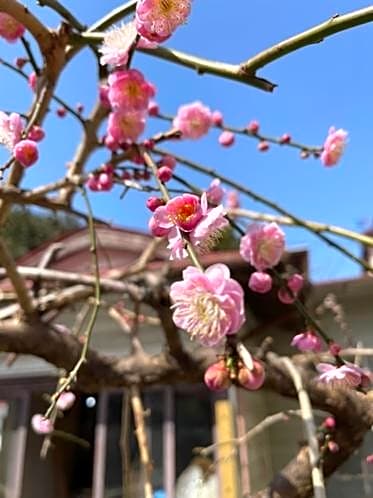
column 118, row 248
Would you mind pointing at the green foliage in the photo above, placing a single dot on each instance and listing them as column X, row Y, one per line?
column 228, row 241
column 26, row 229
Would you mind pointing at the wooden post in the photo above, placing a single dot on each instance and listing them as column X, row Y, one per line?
column 226, row 454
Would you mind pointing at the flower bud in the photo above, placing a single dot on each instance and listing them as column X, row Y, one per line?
column 65, row 400
column 329, row 423
column 260, row 282
column 153, row 203
column 217, row 376
column 41, row 425
column 226, row 138
column 26, row 152
column 253, row 127
column 252, row 379
column 164, row 174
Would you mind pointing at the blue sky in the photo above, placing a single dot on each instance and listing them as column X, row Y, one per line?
column 319, row 86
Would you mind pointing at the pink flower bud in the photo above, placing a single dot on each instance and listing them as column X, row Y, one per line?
column 20, row 62
column 217, row 118
column 155, row 229
column 285, row 138
column 36, row 133
column 108, row 168
column 103, row 95
column 284, row 296
column 105, row 181
column 252, row 379
column 334, row 348
column 164, row 174
column 329, row 423
column 304, row 154
column 26, row 152
column 111, row 143
column 41, row 425
column 61, row 112
column 217, row 376
column 307, row 341
column 92, row 183
column 369, row 459
column 153, row 203
column 32, row 81
column 253, row 127
column 295, row 282
column 126, row 175
column 263, row 146
column 149, row 144
column 79, row 107
column 333, row 447
column 153, row 108
column 168, row 161
column 260, row 282
column 226, row 138
column 66, row 400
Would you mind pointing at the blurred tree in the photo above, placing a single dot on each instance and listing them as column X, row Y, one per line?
column 26, row 229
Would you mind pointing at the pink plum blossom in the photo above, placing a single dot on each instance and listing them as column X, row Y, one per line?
column 263, row 245
column 260, row 282
column 11, row 128
column 208, row 304
column 193, row 120
column 343, row 376
column 126, row 126
column 129, row 91
column 187, row 213
column 41, row 425
column 65, row 400
column 183, row 211
column 208, row 229
column 156, row 20
column 334, row 146
column 26, row 152
column 117, row 43
column 307, row 341
column 215, row 192
column 217, row 377
column 10, row 28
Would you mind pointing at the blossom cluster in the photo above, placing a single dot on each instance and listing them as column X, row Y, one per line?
column 24, row 150
column 188, row 218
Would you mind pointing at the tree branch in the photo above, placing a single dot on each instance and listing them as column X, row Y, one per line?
column 317, row 34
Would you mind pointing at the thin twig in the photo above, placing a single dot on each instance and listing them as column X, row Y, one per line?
column 71, row 377
column 259, row 198
column 315, row 226
column 310, row 429
column 250, row 434
column 142, row 440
